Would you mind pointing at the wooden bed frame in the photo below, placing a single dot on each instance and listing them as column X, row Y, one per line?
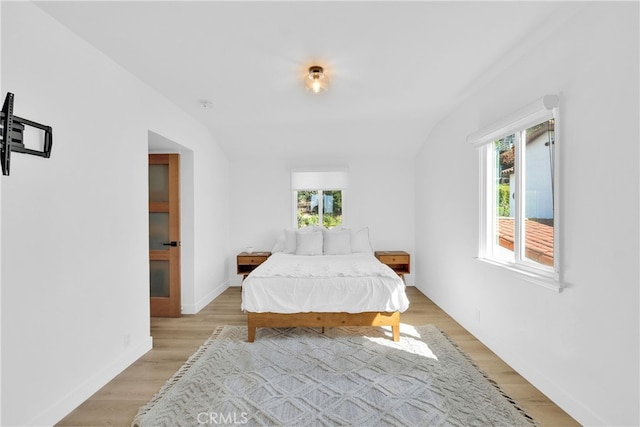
column 277, row 320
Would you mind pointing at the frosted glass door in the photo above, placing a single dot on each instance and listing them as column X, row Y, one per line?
column 164, row 235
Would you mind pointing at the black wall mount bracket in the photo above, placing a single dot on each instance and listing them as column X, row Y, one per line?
column 12, row 133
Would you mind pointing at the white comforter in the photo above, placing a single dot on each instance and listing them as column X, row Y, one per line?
column 352, row 283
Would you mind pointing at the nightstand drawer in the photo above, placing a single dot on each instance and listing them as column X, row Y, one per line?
column 394, row 259
column 251, row 260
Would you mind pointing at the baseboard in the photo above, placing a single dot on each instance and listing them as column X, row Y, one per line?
column 203, row 302
column 72, row 400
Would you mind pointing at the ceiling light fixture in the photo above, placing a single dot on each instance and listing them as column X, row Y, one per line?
column 316, row 81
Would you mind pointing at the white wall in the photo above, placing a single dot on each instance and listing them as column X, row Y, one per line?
column 580, row 347
column 75, row 279
column 380, row 196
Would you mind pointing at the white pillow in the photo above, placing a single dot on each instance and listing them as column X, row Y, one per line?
column 309, row 243
column 290, row 241
column 360, row 241
column 336, row 242
column 290, row 237
column 280, row 244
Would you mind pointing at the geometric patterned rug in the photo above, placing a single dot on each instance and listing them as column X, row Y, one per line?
column 346, row 376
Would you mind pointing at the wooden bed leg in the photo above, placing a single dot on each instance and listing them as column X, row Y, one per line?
column 323, row 329
column 251, row 333
column 396, row 332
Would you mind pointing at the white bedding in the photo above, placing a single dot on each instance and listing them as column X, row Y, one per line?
column 353, row 283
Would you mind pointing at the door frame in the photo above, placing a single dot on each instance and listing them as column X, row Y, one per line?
column 159, row 144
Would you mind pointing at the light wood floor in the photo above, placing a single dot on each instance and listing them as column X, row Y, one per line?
column 174, row 340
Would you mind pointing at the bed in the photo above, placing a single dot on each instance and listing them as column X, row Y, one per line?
column 322, row 278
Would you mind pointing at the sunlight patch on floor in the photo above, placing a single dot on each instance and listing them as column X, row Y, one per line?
column 410, row 341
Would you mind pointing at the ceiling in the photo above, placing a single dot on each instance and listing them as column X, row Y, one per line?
column 396, row 68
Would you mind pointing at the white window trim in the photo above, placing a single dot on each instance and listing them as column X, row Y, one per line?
column 542, row 109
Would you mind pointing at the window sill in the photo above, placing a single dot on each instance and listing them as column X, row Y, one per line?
column 535, row 278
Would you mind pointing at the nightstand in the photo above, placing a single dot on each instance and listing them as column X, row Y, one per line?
column 399, row 261
column 247, row 262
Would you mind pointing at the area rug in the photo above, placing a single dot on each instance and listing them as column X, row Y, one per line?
column 342, row 377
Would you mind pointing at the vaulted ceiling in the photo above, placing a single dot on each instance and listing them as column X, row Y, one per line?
column 396, row 68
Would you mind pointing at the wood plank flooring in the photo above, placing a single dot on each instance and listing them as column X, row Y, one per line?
column 174, row 340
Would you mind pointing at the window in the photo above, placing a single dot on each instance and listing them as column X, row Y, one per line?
column 316, row 204
column 518, row 208
column 316, row 195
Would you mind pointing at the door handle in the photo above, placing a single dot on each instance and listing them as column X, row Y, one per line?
column 174, row 244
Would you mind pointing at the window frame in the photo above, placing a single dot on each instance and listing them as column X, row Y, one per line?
column 320, row 205
column 320, row 180
column 543, row 109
